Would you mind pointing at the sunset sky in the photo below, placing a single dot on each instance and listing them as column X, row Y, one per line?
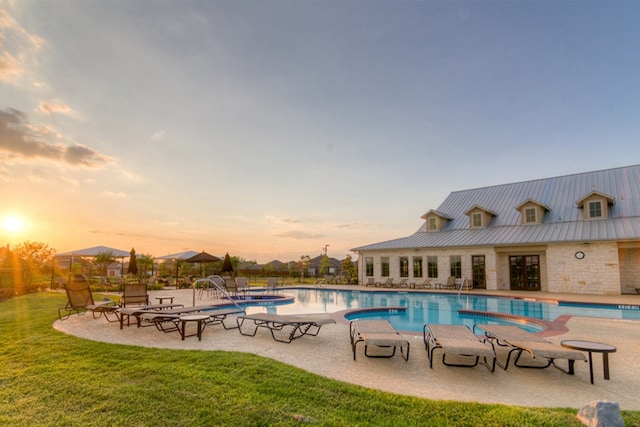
column 269, row 129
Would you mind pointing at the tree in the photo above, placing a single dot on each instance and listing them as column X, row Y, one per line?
column 226, row 264
column 37, row 256
column 303, row 265
column 102, row 261
column 349, row 269
column 145, row 264
column 324, row 264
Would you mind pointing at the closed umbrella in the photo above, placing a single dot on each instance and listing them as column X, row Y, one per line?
column 133, row 265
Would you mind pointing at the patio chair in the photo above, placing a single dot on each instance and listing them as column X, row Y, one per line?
column 457, row 341
column 80, row 300
column 520, row 342
column 134, row 293
column 242, row 284
column 285, row 327
column 370, row 282
column 401, row 284
column 272, row 284
column 377, row 333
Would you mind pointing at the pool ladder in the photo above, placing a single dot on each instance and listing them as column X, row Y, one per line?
column 216, row 285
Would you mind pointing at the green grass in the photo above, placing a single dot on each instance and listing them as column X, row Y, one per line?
column 48, row 378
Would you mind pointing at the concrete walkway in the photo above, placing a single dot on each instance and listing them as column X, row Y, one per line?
column 329, row 354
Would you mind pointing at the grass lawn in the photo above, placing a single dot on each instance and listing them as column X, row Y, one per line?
column 51, row 379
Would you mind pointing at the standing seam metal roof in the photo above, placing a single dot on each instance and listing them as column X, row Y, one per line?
column 563, row 223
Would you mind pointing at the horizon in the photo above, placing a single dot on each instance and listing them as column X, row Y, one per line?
column 275, row 130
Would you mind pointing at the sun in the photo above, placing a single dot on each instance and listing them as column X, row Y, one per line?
column 13, row 224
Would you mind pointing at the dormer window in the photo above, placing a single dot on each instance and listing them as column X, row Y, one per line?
column 595, row 205
column 595, row 209
column 531, row 216
column 479, row 217
column 532, row 211
column 433, row 223
column 476, row 220
column 435, row 220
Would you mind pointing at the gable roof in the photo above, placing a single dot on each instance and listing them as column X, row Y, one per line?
column 562, row 223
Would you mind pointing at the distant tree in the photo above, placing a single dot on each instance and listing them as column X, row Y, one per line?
column 102, row 261
column 145, row 264
column 349, row 269
column 227, row 267
column 324, row 265
column 37, row 258
column 303, row 265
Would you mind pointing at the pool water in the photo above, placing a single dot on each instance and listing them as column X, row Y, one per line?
column 422, row 308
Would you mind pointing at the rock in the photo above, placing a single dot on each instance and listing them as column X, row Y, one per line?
column 601, row 413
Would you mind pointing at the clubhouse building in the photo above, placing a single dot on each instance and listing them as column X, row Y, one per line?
column 571, row 234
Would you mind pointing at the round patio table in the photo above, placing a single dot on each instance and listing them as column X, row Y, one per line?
column 200, row 319
column 591, row 347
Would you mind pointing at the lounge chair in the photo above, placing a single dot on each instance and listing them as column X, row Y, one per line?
column 370, row 282
column 80, row 300
column 377, row 333
column 171, row 319
column 388, row 283
column 522, row 342
column 422, row 285
column 401, row 284
column 451, row 283
column 457, row 341
column 128, row 313
column 134, row 293
column 285, row 327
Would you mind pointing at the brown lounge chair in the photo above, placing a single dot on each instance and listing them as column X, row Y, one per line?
column 175, row 319
column 296, row 325
column 457, row 341
column 522, row 342
column 378, row 333
column 129, row 312
column 80, row 300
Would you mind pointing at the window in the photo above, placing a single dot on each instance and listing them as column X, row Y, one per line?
column 384, row 265
column 368, row 262
column 595, row 209
column 530, row 216
column 476, row 220
column 456, row 265
column 404, row 266
column 433, row 223
column 432, row 266
column 417, row 266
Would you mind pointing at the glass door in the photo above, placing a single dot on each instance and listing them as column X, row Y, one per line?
column 525, row 272
column 479, row 272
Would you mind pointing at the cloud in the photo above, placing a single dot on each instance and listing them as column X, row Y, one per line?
column 21, row 44
column 54, row 107
column 157, row 136
column 300, row 235
column 19, row 139
column 114, row 194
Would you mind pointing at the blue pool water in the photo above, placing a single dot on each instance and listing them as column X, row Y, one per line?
column 421, row 308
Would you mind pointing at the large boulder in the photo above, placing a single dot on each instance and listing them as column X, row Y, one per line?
column 601, row 413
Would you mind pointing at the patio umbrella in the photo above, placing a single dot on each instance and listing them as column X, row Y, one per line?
column 202, row 258
column 133, row 266
column 180, row 256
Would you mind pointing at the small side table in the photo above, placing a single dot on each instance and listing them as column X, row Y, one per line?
column 591, row 347
column 165, row 297
column 199, row 318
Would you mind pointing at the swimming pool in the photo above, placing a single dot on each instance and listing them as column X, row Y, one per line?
column 442, row 308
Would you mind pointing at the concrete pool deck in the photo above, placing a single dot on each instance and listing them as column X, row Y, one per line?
column 329, row 354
